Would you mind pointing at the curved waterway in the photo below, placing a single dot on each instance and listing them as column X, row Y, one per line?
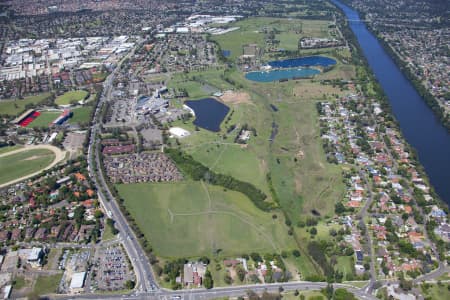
column 275, row 75
column 306, row 61
column 420, row 127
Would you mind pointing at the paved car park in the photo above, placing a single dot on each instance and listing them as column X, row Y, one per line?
column 112, row 269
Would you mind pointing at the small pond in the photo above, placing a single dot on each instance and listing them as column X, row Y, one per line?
column 209, row 113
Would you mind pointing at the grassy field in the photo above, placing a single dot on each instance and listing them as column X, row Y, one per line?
column 15, row 107
column 255, row 30
column 195, row 82
column 71, row 96
column 304, row 182
column 436, row 291
column 47, row 284
column 191, row 219
column 345, row 265
column 107, row 233
column 9, row 148
column 81, row 115
column 44, row 119
column 19, row 282
column 20, row 164
column 309, row 295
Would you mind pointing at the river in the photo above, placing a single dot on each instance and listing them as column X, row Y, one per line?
column 419, row 126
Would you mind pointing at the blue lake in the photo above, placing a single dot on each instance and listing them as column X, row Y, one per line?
column 209, row 113
column 306, row 61
column 275, row 75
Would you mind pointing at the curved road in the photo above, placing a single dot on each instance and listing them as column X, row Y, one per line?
column 59, row 156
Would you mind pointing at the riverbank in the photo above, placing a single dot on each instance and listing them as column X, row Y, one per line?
column 418, row 124
column 424, row 93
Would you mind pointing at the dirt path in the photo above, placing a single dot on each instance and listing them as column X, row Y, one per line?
column 59, row 156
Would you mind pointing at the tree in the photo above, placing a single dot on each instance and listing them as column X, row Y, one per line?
column 296, row 253
column 228, row 279
column 240, row 272
column 98, row 214
column 207, row 280
column 129, row 284
column 313, row 231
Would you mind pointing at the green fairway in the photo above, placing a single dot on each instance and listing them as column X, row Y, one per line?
column 192, row 219
column 20, row 164
column 47, row 284
column 70, row 97
column 44, row 119
column 81, row 115
column 15, row 107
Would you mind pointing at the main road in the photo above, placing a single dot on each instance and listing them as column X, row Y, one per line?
column 232, row 291
column 144, row 276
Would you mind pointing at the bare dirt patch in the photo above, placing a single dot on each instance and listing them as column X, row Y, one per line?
column 314, row 91
column 35, row 157
column 233, row 97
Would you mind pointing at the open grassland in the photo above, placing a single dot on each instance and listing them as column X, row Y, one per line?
column 81, row 115
column 232, row 159
column 200, row 84
column 16, row 165
column 287, row 144
column 44, row 119
column 309, row 90
column 71, row 96
column 254, row 31
column 191, row 219
column 301, row 177
column 13, row 107
column 47, row 284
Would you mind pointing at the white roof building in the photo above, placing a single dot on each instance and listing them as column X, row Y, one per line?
column 77, row 282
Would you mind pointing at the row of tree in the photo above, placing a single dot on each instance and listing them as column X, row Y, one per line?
column 198, row 171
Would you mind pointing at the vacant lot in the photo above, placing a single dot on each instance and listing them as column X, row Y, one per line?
column 47, row 284
column 15, row 107
column 16, row 165
column 193, row 219
column 72, row 96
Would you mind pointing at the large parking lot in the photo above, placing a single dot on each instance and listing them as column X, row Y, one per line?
column 112, row 269
column 121, row 111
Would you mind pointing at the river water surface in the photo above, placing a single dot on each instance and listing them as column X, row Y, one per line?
column 420, row 127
